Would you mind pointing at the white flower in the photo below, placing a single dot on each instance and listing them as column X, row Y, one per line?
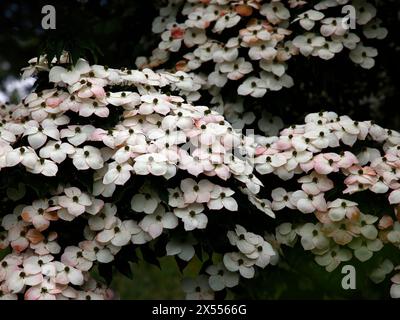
column 332, row 259
column 226, row 21
column 364, row 249
column 307, row 19
column 73, row 257
column 373, row 30
column 68, row 274
column 315, row 183
column 93, row 250
column 285, row 234
column 333, row 26
column 182, row 247
column 236, row 261
column 312, row 237
column 56, row 151
column 308, row 42
column 192, row 216
column 24, row 155
column 378, row 275
column 152, row 163
column 253, row 86
column 46, row 167
column 270, row 124
column 105, row 219
column 154, row 223
column 72, row 76
column 281, row 199
column 364, row 56
column 175, row 198
column 196, row 192
column 194, row 36
column 197, row 288
column 38, row 133
column 221, row 198
column 275, row 12
column 117, row 173
column 77, row 135
column 365, row 12
column 146, row 202
column 308, row 203
column 74, row 201
column 236, row 69
column 339, row 209
column 87, row 157
column 119, row 234
column 221, row 278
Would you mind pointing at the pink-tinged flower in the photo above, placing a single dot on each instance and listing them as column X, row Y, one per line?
column 4, row 242
column 221, row 198
column 192, row 216
column 40, row 214
column 39, row 265
column 47, row 246
column 155, row 223
column 281, row 199
column 20, row 237
column 46, row 290
column 196, row 192
column 73, row 257
column 74, row 201
column 315, row 183
column 308, row 203
column 342, row 232
column 9, row 265
column 19, row 279
column 340, row 208
column 89, row 88
column 325, row 163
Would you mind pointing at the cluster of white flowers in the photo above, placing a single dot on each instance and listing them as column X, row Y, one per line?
column 157, row 134
column 142, row 123
column 341, row 229
column 252, row 42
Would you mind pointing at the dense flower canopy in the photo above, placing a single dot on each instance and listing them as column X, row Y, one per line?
column 101, row 167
